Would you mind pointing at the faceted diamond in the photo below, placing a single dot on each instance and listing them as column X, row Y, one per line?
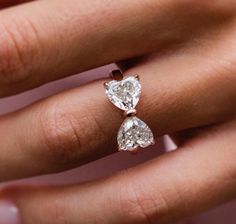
column 124, row 94
column 134, row 133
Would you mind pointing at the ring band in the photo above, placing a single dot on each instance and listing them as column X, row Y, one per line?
column 124, row 93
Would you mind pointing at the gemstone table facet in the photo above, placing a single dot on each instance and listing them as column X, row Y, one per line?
column 124, row 94
column 134, row 133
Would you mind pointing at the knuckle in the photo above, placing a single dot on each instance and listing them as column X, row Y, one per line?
column 67, row 137
column 140, row 204
column 19, row 47
column 59, row 134
column 136, row 209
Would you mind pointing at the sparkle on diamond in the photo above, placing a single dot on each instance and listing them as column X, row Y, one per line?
column 133, row 133
column 124, row 94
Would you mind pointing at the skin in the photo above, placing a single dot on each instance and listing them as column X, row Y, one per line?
column 184, row 52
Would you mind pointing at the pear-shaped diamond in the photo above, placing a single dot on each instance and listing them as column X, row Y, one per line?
column 124, row 94
column 134, row 133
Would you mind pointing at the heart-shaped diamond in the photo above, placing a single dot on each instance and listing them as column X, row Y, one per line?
column 134, row 133
column 124, row 94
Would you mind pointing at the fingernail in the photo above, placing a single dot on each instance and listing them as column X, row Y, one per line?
column 9, row 213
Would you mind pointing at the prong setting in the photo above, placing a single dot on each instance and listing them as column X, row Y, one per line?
column 130, row 113
column 106, row 85
column 135, row 151
column 124, row 93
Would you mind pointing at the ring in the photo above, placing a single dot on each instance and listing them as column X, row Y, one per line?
column 124, row 93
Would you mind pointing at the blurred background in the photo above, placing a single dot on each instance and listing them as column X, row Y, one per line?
column 225, row 214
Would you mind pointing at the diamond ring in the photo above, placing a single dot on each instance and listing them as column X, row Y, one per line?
column 124, row 93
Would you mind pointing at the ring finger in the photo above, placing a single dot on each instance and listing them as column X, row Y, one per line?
column 59, row 133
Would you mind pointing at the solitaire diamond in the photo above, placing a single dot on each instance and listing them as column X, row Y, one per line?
column 124, row 94
column 134, row 133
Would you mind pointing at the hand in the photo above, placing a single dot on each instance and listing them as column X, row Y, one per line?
column 184, row 52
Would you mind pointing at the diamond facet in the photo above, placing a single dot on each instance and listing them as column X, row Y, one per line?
column 134, row 133
column 124, row 94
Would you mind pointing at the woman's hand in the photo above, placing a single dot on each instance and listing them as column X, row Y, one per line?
column 184, row 52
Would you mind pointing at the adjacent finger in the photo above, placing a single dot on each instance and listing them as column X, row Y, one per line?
column 80, row 125
column 47, row 40
column 181, row 138
column 172, row 187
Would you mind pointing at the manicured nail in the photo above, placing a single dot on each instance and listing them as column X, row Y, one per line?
column 9, row 213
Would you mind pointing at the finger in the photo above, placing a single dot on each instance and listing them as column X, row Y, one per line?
column 80, row 125
column 46, row 40
column 172, row 187
column 183, row 137
column 7, row 3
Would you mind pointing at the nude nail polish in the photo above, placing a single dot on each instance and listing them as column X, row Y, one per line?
column 9, row 213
